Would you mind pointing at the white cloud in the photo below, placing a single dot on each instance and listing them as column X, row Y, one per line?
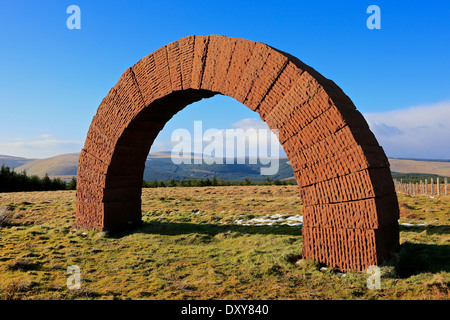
column 203, row 139
column 258, row 135
column 416, row 132
column 250, row 123
column 40, row 149
column 47, row 136
column 161, row 145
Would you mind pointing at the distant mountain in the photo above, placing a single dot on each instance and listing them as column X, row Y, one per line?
column 159, row 166
column 441, row 167
column 63, row 166
column 162, row 168
column 13, row 162
column 421, row 159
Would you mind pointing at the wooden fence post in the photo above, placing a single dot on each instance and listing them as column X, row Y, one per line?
column 426, row 186
column 446, row 186
column 431, row 183
column 438, row 186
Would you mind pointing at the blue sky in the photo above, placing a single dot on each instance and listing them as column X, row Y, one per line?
column 52, row 79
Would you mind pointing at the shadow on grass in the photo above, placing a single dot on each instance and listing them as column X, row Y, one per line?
column 415, row 258
column 429, row 229
column 181, row 228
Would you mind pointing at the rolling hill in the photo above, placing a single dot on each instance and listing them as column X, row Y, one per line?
column 63, row 166
column 162, row 168
column 441, row 167
column 159, row 166
column 14, row 162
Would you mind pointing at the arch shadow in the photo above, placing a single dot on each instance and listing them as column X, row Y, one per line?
column 211, row 229
column 416, row 258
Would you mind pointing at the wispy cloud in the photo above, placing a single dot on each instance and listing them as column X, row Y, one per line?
column 416, row 132
column 40, row 148
column 47, row 136
column 252, row 128
column 250, row 123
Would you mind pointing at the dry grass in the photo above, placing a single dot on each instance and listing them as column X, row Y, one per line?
column 189, row 247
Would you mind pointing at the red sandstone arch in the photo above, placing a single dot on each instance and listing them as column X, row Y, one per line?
column 350, row 206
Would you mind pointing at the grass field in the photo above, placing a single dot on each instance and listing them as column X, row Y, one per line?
column 207, row 243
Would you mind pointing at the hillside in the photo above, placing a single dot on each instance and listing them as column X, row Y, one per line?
column 159, row 166
column 63, row 165
column 13, row 162
column 441, row 168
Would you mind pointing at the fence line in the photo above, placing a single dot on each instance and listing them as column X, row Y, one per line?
column 440, row 187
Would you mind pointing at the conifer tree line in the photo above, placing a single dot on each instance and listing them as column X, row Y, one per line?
column 11, row 181
column 201, row 182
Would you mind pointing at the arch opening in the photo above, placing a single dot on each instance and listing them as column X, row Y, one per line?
column 350, row 206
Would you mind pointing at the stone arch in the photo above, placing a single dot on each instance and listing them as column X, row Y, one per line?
column 350, row 209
